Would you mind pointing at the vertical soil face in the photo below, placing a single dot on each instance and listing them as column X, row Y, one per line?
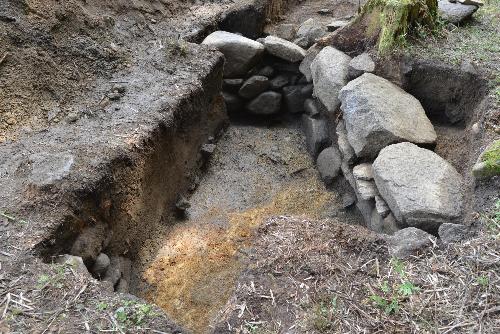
column 255, row 173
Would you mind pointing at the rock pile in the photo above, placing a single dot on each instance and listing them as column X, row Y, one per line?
column 382, row 144
column 88, row 257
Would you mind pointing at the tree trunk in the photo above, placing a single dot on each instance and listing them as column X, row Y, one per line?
column 384, row 23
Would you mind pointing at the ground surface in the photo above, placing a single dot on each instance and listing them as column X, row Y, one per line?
column 305, row 273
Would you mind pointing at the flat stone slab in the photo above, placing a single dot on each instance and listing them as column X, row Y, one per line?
column 378, row 113
column 421, row 188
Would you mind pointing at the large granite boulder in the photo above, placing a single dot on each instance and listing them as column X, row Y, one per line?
column 284, row 49
column 422, row 189
column 241, row 53
column 329, row 73
column 309, row 32
column 378, row 113
column 305, row 65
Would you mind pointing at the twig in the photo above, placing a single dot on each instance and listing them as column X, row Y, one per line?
column 5, row 55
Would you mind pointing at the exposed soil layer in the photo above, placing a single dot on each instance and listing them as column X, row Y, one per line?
column 255, row 173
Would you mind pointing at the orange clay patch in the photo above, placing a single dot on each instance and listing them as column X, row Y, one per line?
column 194, row 273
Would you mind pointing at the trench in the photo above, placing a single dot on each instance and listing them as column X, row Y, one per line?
column 182, row 219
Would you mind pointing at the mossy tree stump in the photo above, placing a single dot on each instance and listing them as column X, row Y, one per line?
column 393, row 19
column 384, row 23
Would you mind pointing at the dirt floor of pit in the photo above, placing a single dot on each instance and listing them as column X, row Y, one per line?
column 256, row 172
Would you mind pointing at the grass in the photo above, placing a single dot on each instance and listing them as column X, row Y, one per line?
column 491, row 157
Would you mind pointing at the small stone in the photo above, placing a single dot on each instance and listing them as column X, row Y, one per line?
column 381, row 206
column 366, row 189
column 279, row 82
column 451, row 233
column 317, row 137
column 286, row 31
column 305, row 65
column 348, row 199
column 254, row 86
column 390, row 225
column 113, row 274
column 267, row 103
column 294, row 98
column 345, row 147
column 11, row 121
column 207, row 150
column 182, row 204
column 359, row 65
column 328, row 164
column 475, row 129
column 232, row 85
column 311, row 108
column 119, row 88
column 101, row 264
column 233, row 103
column 363, row 171
column 365, row 207
column 114, row 96
column 284, row 49
column 325, row 11
column 337, row 24
column 75, row 262
column 266, row 71
column 309, row 32
column 409, row 241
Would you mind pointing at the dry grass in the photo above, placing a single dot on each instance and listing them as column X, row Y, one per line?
column 325, row 277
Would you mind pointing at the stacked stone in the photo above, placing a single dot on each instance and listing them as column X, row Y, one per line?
column 381, row 144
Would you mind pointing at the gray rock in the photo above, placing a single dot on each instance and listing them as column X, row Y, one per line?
column 267, row 71
column 378, row 113
column 381, row 206
column 101, row 264
column 267, row 103
column 451, row 233
column 348, row 199
column 232, row 85
column 302, row 42
column 294, row 98
column 284, row 49
column 113, row 274
column 337, row 24
column 409, row 241
column 241, row 53
column 366, row 207
column 305, row 65
column 47, row 168
column 345, row 147
column 182, row 204
column 286, row 31
column 390, row 225
column 329, row 73
column 311, row 108
column 347, row 171
column 279, row 82
column 455, row 12
column 89, row 243
column 363, row 171
column 366, row 189
column 485, row 169
column 317, row 137
column 254, row 86
column 75, row 262
column 359, row 65
column 328, row 163
column 233, row 103
column 387, row 225
column 421, row 188
column 310, row 31
column 207, row 150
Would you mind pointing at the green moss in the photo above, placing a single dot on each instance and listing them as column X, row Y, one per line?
column 491, row 157
column 398, row 17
